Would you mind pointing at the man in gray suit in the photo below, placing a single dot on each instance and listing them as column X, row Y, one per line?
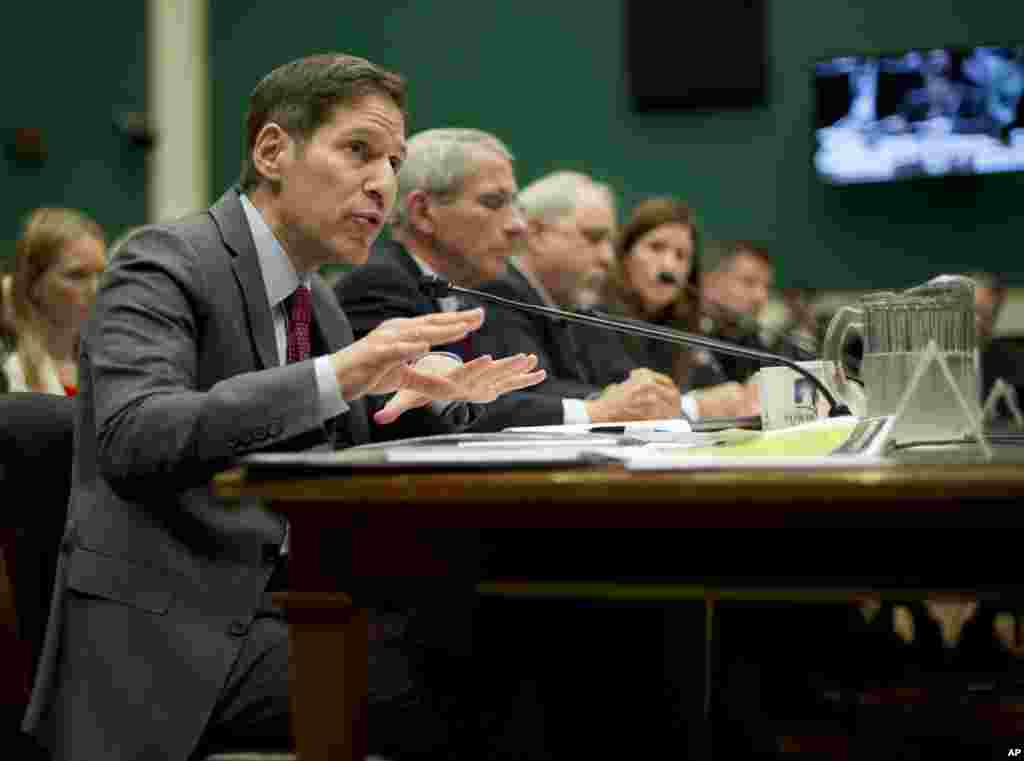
column 213, row 337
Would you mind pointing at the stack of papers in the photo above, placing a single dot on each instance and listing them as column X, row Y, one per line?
column 639, row 445
column 675, row 431
column 804, row 446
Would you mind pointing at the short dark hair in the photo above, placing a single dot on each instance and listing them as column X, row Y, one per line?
column 727, row 252
column 991, row 280
column 300, row 96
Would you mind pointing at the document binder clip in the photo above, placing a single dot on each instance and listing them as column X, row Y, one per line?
column 1002, row 392
column 936, row 411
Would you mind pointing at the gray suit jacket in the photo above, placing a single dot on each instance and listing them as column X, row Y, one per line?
column 158, row 582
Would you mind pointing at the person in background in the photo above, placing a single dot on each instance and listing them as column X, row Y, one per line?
column 563, row 262
column 656, row 278
column 989, row 299
column 735, row 288
column 57, row 265
column 6, row 327
column 457, row 218
column 999, row 357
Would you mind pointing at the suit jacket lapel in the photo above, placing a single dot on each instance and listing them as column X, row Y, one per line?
column 234, row 229
column 398, row 254
column 561, row 332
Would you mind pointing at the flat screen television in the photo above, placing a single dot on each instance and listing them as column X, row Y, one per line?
column 926, row 112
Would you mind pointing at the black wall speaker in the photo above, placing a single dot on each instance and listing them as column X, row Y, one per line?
column 696, row 55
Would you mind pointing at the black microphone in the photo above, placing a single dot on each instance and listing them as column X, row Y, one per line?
column 435, row 287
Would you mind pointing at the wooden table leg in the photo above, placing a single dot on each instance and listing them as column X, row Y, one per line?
column 329, row 660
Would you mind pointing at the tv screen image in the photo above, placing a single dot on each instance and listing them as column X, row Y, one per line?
column 920, row 113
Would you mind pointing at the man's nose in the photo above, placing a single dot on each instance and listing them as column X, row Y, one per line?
column 515, row 226
column 381, row 184
column 760, row 298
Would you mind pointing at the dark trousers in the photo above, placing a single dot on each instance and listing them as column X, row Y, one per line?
column 435, row 692
column 253, row 712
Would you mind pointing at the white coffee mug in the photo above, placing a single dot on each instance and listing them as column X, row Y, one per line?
column 789, row 398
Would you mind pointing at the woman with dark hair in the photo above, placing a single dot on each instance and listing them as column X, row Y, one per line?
column 655, row 278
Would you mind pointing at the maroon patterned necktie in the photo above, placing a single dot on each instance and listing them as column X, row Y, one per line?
column 300, row 315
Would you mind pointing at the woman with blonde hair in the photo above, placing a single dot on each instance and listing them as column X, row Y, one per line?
column 59, row 258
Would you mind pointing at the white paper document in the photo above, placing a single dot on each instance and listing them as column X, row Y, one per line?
column 650, row 429
column 655, row 461
column 502, row 456
column 665, row 434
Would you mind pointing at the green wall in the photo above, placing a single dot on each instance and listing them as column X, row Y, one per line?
column 69, row 69
column 548, row 77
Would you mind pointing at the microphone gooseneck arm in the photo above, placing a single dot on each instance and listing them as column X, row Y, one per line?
column 747, row 324
column 436, row 287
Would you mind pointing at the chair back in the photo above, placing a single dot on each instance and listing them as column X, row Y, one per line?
column 36, row 446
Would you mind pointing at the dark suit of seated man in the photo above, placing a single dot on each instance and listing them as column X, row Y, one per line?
column 213, row 337
column 563, row 261
column 1002, row 357
column 458, row 218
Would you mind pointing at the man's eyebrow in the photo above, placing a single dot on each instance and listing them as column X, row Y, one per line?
column 365, row 132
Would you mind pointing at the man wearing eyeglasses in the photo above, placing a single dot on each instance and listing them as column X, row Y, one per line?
column 563, row 262
column 458, row 216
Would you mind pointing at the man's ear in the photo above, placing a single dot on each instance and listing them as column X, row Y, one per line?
column 420, row 213
column 271, row 150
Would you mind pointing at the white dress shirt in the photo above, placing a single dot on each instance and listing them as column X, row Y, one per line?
column 280, row 280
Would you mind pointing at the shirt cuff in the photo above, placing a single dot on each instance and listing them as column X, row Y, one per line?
column 688, row 405
column 331, row 403
column 574, row 412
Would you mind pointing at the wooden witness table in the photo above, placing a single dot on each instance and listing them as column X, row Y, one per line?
column 872, row 536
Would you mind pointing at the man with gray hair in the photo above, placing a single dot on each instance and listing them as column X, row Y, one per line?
column 458, row 216
column 568, row 249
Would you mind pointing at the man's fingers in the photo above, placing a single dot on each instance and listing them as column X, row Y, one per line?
column 473, row 366
column 652, row 375
column 471, row 319
column 518, row 382
column 401, row 402
column 472, row 315
column 495, row 370
column 437, row 328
